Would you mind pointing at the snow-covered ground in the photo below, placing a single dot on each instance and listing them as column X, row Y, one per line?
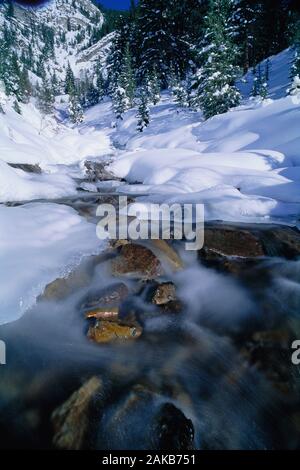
column 38, row 243
column 243, row 165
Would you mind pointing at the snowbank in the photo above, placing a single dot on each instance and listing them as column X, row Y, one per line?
column 17, row 185
column 38, row 243
column 243, row 165
column 32, row 138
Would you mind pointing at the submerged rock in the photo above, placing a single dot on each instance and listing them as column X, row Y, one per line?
column 136, row 260
column 270, row 352
column 104, row 313
column 250, row 241
column 231, row 241
column 71, row 420
column 111, row 295
column 164, row 293
column 63, row 287
column 143, row 419
column 105, row 332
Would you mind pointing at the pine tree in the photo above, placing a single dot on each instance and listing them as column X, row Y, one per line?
column 45, row 98
column 180, row 94
column 256, row 83
column 75, row 110
column 216, row 92
column 69, row 81
column 16, row 107
column 143, row 114
column 25, row 88
column 120, row 101
column 260, row 82
column 244, row 21
column 127, row 75
column 100, row 85
column 115, row 60
column 152, row 86
column 91, row 95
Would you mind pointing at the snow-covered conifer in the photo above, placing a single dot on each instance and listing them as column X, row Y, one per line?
column 143, row 114
column 75, row 109
column 216, row 92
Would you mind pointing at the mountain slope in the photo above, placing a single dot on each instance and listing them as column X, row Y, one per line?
column 47, row 38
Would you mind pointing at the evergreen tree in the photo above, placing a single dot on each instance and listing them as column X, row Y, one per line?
column 45, row 98
column 16, row 107
column 55, row 84
column 69, row 81
column 75, row 110
column 127, row 75
column 115, row 60
column 152, row 86
column 157, row 44
column 180, row 94
column 216, row 92
column 92, row 96
column 143, row 114
column 120, row 99
column 256, row 83
column 260, row 82
column 100, row 85
column 25, row 88
column 244, row 21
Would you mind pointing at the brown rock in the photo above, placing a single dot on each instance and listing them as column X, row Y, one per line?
column 105, row 332
column 104, row 313
column 138, row 261
column 62, row 287
column 165, row 293
column 231, row 241
column 71, row 419
column 170, row 255
column 270, row 352
column 109, row 296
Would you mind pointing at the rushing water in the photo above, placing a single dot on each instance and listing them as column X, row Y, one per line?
column 198, row 360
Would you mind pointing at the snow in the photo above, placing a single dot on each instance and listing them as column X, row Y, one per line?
column 243, row 165
column 38, row 243
column 17, row 185
column 31, row 138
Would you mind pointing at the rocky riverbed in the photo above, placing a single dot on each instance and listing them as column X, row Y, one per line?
column 147, row 346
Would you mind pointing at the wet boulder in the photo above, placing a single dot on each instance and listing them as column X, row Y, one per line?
column 112, row 295
column 164, row 293
column 71, row 421
column 136, row 261
column 107, row 332
column 144, row 420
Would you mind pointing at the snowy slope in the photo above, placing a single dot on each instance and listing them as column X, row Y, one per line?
column 243, row 165
column 73, row 25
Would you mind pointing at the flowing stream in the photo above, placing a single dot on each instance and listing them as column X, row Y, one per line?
column 218, row 371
